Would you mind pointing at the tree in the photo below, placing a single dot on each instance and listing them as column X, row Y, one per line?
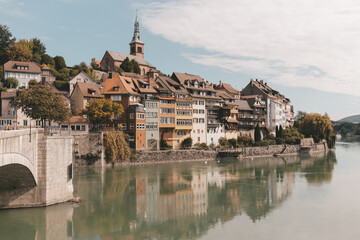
column 11, row 82
column 318, row 127
column 48, row 60
column 281, row 131
column 126, row 65
column 257, row 133
column 38, row 47
column 101, row 111
column 116, row 146
column 39, row 102
column 277, row 131
column 63, row 75
column 186, row 143
column 32, row 82
column 19, row 52
column 135, row 66
column 6, row 40
column 59, row 63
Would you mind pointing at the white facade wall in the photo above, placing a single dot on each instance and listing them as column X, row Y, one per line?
column 213, row 134
column 81, row 77
column 198, row 134
column 23, row 78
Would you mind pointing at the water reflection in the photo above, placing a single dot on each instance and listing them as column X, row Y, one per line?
column 173, row 201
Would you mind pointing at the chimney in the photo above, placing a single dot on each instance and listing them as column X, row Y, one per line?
column 220, row 82
column 261, row 81
column 110, row 75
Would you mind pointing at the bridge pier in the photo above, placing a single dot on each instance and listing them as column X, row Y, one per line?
column 36, row 172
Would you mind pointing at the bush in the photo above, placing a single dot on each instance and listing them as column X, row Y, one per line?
column 187, row 143
column 61, row 85
column 212, row 146
column 32, row 82
column 223, row 142
column 245, row 141
column 11, row 82
column 116, row 147
column 232, row 142
column 202, row 146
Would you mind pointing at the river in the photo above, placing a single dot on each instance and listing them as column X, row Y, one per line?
column 292, row 197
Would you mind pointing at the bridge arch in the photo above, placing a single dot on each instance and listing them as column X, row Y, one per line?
column 19, row 161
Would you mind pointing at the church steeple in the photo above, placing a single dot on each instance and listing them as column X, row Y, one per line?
column 136, row 45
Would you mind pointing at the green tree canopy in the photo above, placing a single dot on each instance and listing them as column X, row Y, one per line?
column 135, row 66
column 59, row 63
column 39, row 102
column 126, row 65
column 317, row 126
column 186, row 143
column 101, row 111
column 48, row 60
column 19, row 51
column 116, row 146
column 32, row 82
column 6, row 40
column 11, row 82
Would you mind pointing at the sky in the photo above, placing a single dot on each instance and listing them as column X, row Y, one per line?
column 307, row 50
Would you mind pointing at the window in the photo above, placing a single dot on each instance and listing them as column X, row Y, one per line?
column 131, row 115
column 181, row 133
column 140, row 126
column 77, row 127
column 82, row 127
column 131, row 126
column 139, row 49
column 25, row 123
column 116, row 97
column 132, row 98
column 140, row 116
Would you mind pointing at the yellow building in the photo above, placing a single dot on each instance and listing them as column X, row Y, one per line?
column 183, row 119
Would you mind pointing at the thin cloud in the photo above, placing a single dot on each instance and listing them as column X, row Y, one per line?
column 296, row 43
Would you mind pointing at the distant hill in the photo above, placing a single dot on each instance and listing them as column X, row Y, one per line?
column 355, row 118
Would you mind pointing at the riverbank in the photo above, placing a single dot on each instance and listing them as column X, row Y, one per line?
column 165, row 156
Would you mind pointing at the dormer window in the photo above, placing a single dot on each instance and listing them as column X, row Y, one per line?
column 196, row 84
column 116, row 88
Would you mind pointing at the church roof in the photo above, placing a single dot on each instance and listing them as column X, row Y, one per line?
column 121, row 57
column 136, row 38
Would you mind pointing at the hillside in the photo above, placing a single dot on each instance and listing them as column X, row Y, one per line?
column 355, row 118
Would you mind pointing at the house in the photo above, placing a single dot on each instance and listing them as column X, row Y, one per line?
column 276, row 104
column 47, row 75
column 80, row 77
column 229, row 113
column 111, row 60
column 77, row 125
column 82, row 94
column 22, row 71
column 246, row 119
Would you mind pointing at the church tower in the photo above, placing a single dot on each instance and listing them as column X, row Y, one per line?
column 136, row 45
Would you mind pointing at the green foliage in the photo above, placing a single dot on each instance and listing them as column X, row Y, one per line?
column 186, row 143
column 38, row 47
column 130, row 66
column 135, row 66
column 11, row 82
column 212, row 146
column 244, row 141
column 291, row 135
column 59, row 63
column 32, row 82
column 100, row 111
column 61, row 85
column 281, row 132
column 63, row 75
column 19, row 51
column 126, row 65
column 48, row 60
column 223, row 142
column 116, row 146
column 39, row 102
column 232, row 142
column 2, row 89
column 202, row 146
column 95, row 66
column 257, row 133
column 1, row 72
column 6, row 40
column 347, row 128
column 317, row 126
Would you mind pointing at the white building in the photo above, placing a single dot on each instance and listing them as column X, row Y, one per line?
column 198, row 134
column 22, row 71
column 81, row 77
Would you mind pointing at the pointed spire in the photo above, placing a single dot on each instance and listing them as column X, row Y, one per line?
column 136, row 37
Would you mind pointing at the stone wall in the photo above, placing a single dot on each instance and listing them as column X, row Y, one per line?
column 88, row 150
column 173, row 155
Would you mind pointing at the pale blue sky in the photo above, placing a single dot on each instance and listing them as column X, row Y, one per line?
column 308, row 51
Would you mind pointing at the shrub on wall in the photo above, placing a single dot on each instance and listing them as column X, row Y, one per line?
column 116, row 147
column 187, row 143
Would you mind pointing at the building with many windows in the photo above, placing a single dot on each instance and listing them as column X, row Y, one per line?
column 22, row 71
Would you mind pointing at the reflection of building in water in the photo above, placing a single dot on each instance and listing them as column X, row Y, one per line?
column 284, row 185
column 167, row 208
column 215, row 178
column 199, row 185
column 147, row 197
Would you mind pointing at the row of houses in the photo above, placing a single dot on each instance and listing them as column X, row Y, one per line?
column 160, row 110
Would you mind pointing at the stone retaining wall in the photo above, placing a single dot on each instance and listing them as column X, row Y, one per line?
column 173, row 155
column 88, row 150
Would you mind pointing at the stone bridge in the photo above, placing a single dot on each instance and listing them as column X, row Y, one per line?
column 35, row 169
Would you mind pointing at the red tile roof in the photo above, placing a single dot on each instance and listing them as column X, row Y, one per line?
column 11, row 66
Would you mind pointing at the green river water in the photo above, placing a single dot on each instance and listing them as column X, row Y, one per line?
column 293, row 197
